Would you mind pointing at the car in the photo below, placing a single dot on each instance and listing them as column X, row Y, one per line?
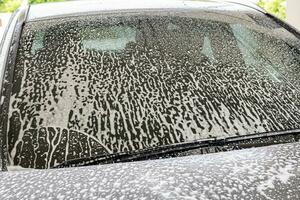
column 145, row 99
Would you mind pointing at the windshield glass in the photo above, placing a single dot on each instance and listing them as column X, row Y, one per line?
column 91, row 85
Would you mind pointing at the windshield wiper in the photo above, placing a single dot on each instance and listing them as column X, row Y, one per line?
column 220, row 144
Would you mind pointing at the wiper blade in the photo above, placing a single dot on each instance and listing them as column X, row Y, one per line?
column 294, row 132
column 243, row 141
column 136, row 155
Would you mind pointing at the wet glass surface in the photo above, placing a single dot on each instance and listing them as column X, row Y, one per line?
column 100, row 84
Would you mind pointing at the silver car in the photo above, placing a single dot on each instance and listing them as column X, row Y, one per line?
column 145, row 99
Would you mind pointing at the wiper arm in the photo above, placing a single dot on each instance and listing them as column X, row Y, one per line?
column 243, row 141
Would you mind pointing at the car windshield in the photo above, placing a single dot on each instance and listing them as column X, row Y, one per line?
column 100, row 84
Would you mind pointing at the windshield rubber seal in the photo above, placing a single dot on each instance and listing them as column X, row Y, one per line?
column 285, row 25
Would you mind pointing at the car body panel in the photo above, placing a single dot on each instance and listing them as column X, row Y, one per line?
column 50, row 10
column 8, row 47
column 259, row 173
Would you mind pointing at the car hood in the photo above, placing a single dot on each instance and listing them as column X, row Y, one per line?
column 271, row 172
